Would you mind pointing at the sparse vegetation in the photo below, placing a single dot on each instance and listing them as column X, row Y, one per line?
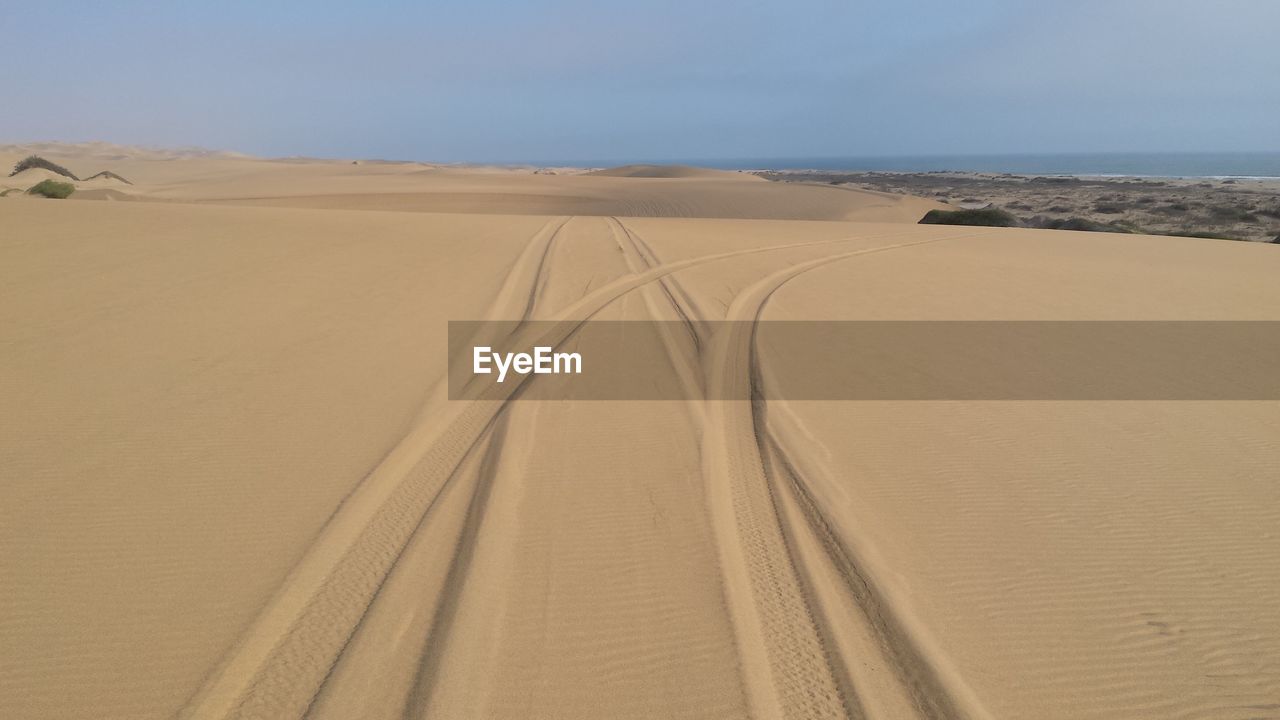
column 986, row 217
column 1171, row 209
column 1188, row 232
column 6, row 192
column 1231, row 213
column 52, row 189
column 35, row 161
column 1245, row 210
column 1078, row 223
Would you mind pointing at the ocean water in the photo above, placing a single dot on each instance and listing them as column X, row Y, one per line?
column 1207, row 165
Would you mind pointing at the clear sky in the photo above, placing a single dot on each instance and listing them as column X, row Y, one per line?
column 545, row 80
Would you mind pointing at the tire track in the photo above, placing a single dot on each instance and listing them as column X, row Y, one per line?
column 872, row 701
column 398, row 647
column 428, row 663
column 375, row 671
column 684, row 350
column 876, row 705
column 642, row 257
column 244, row 686
column 873, row 624
column 622, row 529
column 788, row 644
column 279, row 665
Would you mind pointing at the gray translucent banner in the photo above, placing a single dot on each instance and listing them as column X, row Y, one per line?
column 864, row 360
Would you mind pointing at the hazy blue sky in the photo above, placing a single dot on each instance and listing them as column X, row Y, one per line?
column 487, row 80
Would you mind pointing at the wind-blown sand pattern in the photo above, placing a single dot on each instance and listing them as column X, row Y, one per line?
column 234, row 486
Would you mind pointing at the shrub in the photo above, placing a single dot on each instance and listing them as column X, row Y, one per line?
column 1086, row 225
column 987, row 217
column 52, row 189
column 1187, row 232
column 1232, row 214
column 35, row 161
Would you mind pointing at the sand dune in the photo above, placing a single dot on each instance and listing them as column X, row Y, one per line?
column 669, row 171
column 106, row 177
column 235, row 487
column 657, row 191
column 32, row 176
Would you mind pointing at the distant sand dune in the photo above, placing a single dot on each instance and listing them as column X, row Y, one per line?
column 666, row 191
column 34, row 174
column 107, row 177
column 669, row 171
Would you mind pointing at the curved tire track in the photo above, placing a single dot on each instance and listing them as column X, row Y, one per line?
column 278, row 666
column 781, row 625
column 808, row 655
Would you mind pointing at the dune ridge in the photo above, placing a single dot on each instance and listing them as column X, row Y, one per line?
column 655, row 191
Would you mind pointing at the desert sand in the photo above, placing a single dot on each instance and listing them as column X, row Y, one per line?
column 234, row 485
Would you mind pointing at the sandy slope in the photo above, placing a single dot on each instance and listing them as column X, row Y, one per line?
column 660, row 191
column 233, row 485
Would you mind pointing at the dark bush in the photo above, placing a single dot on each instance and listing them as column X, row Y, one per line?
column 35, row 161
column 1084, row 224
column 1232, row 213
column 52, row 189
column 1201, row 234
column 986, row 217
